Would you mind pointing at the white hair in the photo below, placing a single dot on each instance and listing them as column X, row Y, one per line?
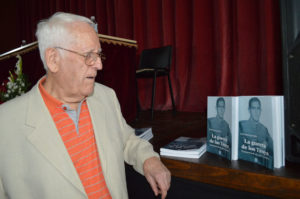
column 54, row 31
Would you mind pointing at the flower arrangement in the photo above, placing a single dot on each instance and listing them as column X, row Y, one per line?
column 17, row 83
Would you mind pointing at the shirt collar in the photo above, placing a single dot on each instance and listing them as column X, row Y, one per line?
column 52, row 103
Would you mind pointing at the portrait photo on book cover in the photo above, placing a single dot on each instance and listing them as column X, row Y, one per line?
column 255, row 130
column 219, row 126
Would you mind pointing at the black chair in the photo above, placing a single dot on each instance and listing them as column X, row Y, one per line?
column 155, row 62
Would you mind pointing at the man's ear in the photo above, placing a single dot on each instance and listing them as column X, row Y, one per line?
column 52, row 59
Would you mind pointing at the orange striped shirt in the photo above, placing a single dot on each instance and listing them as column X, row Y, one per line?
column 80, row 144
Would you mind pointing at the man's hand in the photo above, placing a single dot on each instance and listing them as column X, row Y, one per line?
column 158, row 176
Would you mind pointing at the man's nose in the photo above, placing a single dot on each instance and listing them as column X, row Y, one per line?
column 98, row 64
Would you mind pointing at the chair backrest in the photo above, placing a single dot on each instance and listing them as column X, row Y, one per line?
column 156, row 57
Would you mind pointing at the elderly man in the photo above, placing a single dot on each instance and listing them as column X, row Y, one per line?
column 66, row 138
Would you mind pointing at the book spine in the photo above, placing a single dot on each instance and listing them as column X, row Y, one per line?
column 276, row 132
column 278, row 118
column 235, row 129
column 282, row 130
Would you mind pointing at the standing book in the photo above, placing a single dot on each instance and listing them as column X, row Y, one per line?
column 256, row 127
column 185, row 147
column 261, row 130
column 222, row 126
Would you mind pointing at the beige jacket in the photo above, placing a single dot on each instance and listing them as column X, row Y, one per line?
column 34, row 163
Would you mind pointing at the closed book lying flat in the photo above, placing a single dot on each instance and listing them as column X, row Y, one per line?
column 140, row 132
column 148, row 136
column 144, row 133
column 185, row 147
column 184, row 155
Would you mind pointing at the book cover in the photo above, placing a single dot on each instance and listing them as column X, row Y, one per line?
column 185, row 147
column 221, row 124
column 260, row 126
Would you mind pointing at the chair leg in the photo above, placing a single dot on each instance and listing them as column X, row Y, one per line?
column 172, row 96
column 153, row 95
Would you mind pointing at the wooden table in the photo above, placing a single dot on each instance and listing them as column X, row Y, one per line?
column 239, row 175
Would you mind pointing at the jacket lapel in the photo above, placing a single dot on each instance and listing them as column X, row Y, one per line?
column 98, row 119
column 47, row 140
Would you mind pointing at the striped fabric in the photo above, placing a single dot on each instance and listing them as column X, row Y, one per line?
column 81, row 146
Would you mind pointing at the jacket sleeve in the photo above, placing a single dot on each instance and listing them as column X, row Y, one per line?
column 136, row 150
column 2, row 192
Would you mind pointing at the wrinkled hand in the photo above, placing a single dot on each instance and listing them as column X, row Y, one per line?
column 158, row 176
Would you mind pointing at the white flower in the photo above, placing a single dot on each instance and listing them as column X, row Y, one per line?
column 18, row 70
column 10, row 85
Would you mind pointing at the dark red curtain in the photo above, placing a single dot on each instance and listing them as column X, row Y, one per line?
column 220, row 47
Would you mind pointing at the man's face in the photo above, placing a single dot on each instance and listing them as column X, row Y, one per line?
column 255, row 110
column 75, row 77
column 221, row 109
